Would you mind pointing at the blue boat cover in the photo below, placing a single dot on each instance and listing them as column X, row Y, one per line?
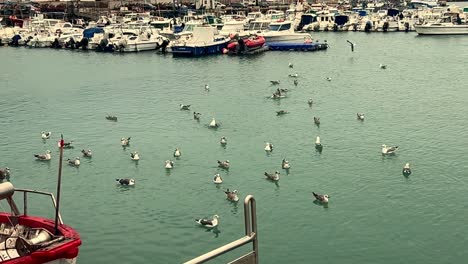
column 362, row 13
column 89, row 33
column 341, row 20
column 392, row 12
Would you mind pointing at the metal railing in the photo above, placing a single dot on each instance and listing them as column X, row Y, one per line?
column 250, row 218
column 25, row 200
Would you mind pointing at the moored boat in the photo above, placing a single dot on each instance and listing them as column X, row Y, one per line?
column 204, row 41
column 246, row 45
column 33, row 239
column 443, row 26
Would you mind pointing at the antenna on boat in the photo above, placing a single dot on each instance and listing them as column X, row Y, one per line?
column 59, row 182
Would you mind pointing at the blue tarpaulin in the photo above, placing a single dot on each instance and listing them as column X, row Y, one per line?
column 89, row 33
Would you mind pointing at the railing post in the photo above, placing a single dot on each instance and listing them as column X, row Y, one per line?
column 25, row 203
column 253, row 208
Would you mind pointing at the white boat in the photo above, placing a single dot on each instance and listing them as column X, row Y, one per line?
column 444, row 26
column 283, row 31
column 131, row 42
column 233, row 27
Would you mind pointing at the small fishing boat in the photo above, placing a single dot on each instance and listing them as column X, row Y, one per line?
column 204, row 41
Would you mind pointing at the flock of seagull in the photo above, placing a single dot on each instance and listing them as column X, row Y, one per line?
column 321, row 199
column 231, row 195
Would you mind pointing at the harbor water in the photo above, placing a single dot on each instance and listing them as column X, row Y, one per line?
column 375, row 214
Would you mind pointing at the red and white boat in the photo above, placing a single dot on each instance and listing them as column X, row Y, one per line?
column 246, row 45
column 33, row 239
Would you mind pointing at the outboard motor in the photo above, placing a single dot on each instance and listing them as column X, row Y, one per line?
column 83, row 43
column 241, row 45
column 27, row 40
column 164, row 45
column 385, row 26
column 102, row 45
column 15, row 40
column 368, row 26
column 56, row 44
column 335, row 27
column 406, row 27
column 70, row 44
column 355, row 27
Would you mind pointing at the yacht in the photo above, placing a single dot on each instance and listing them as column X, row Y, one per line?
column 443, row 26
column 283, row 31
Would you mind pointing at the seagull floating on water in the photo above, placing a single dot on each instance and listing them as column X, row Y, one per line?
column 196, row 116
column 87, row 153
column 406, row 170
column 317, row 120
column 273, row 176
column 177, row 153
column 213, row 123
column 389, row 150
column 207, row 88
column 268, row 147
column 276, row 82
column 382, row 66
column 329, row 79
column 323, row 198
column 360, row 116
column 318, row 145
column 291, row 65
column 310, row 101
column 208, row 223
column 224, row 164
column 223, row 141
column 282, row 112
column 46, row 135
column 184, row 107
column 129, row 182
column 111, row 118
column 75, row 162
column 125, row 141
column 285, row 164
column 169, row 164
column 294, row 75
column 135, row 156
column 351, row 44
column 295, row 82
column 45, row 156
column 217, row 179
column 231, row 195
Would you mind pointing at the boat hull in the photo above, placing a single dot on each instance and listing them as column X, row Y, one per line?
column 442, row 30
column 194, row 50
column 141, row 46
column 298, row 37
column 63, row 251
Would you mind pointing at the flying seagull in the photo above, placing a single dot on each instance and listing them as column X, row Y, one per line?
column 351, row 44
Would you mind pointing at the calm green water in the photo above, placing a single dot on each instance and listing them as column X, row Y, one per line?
column 375, row 215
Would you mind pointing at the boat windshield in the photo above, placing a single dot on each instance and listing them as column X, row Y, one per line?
column 258, row 25
column 280, row 27
column 160, row 25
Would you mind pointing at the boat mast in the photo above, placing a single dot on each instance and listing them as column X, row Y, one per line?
column 59, row 182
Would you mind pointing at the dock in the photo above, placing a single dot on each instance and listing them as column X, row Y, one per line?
column 284, row 46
